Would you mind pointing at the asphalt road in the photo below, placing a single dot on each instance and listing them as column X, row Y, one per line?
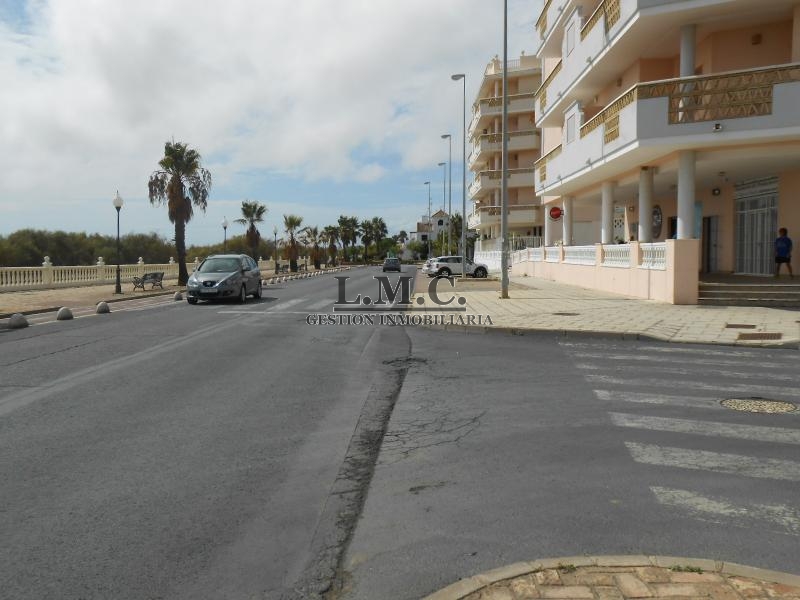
column 177, row 451
column 509, row 448
column 228, row 451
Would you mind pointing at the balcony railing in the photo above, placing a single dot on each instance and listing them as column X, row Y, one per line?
column 654, row 256
column 541, row 93
column 493, row 142
column 580, row 255
column 608, row 8
column 541, row 163
column 541, row 22
column 518, row 214
column 616, row 255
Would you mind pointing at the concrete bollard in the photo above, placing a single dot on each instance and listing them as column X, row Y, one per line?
column 102, row 308
column 64, row 314
column 17, row 321
column 177, row 296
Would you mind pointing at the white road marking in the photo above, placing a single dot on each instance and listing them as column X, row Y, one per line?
column 787, row 518
column 661, row 360
column 646, row 398
column 709, row 428
column 702, row 460
column 771, row 391
column 787, row 377
column 259, row 309
column 321, row 304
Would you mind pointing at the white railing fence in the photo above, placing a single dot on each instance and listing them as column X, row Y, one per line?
column 616, row 255
column 654, row 256
column 579, row 255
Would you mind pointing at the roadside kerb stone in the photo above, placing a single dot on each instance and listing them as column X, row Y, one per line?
column 102, row 308
column 632, row 576
column 17, row 321
column 64, row 314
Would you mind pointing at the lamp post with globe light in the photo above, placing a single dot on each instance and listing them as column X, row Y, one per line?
column 428, row 183
column 275, row 235
column 225, row 234
column 118, row 205
column 444, row 191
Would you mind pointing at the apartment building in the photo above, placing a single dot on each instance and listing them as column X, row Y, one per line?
column 672, row 126
column 485, row 161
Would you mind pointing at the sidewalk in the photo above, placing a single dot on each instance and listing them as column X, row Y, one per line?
column 542, row 305
column 36, row 301
column 618, row 577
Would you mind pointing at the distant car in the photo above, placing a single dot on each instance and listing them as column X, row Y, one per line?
column 225, row 276
column 445, row 266
column 392, row 264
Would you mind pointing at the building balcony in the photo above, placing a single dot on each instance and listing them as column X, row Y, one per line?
column 651, row 120
column 490, row 144
column 486, row 109
column 486, row 181
column 519, row 215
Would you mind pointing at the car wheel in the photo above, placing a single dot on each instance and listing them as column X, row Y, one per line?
column 480, row 273
column 243, row 295
column 191, row 300
column 257, row 294
column 444, row 273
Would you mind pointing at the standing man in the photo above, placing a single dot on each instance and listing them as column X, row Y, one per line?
column 783, row 252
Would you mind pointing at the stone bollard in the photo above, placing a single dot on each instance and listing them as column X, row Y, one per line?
column 17, row 321
column 177, row 296
column 102, row 308
column 64, row 314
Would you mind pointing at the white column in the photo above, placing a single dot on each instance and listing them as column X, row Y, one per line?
column 688, row 35
column 607, row 232
column 566, row 220
column 645, row 205
column 549, row 226
column 686, row 174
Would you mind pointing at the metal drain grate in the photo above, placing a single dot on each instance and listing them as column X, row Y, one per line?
column 763, row 335
column 739, row 326
column 756, row 404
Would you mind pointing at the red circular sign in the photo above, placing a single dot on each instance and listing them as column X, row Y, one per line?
column 556, row 212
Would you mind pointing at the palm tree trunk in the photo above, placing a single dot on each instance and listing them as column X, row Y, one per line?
column 180, row 248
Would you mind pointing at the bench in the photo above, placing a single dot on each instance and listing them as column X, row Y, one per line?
column 152, row 278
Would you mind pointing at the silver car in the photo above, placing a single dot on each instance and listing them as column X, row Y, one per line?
column 445, row 266
column 225, row 276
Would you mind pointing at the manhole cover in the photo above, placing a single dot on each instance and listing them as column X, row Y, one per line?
column 566, row 314
column 765, row 335
column 758, row 405
column 739, row 326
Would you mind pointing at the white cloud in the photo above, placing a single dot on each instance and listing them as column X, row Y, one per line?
column 316, row 89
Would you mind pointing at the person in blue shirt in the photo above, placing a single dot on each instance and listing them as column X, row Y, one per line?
column 783, row 252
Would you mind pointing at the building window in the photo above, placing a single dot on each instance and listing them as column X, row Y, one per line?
column 441, row 222
column 571, row 129
column 570, row 39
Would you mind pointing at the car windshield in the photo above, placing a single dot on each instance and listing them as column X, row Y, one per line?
column 219, row 265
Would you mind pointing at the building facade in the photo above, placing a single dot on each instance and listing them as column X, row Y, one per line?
column 525, row 223
column 671, row 128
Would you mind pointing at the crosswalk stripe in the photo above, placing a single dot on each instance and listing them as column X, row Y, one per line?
column 709, row 428
column 669, row 349
column 703, row 460
column 647, row 398
column 717, row 388
column 786, row 518
column 690, row 372
column 661, row 360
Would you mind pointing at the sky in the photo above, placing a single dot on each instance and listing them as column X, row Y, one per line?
column 312, row 107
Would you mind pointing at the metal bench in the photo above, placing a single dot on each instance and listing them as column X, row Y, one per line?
column 154, row 279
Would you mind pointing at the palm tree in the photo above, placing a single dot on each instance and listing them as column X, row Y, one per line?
column 313, row 238
column 181, row 183
column 347, row 232
column 292, row 225
column 402, row 237
column 367, row 236
column 379, row 232
column 252, row 213
column 331, row 235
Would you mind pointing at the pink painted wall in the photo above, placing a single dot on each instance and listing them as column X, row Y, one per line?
column 733, row 49
column 789, row 204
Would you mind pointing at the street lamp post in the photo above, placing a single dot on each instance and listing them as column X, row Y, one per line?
column 225, row 233
column 463, row 78
column 444, row 190
column 504, row 174
column 275, row 235
column 118, row 205
column 428, row 183
column 449, row 139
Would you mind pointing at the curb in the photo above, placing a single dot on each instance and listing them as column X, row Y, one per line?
column 470, row 585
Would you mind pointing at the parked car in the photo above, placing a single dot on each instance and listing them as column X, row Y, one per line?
column 225, row 276
column 392, row 264
column 445, row 266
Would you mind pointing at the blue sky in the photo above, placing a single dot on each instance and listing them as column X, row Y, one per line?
column 313, row 108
